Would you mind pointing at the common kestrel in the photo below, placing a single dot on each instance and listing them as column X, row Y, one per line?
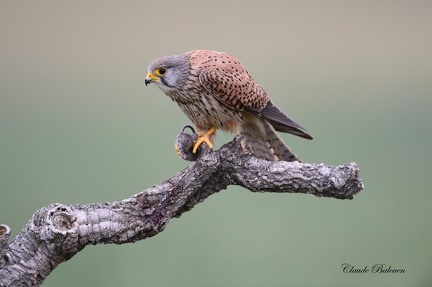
column 215, row 91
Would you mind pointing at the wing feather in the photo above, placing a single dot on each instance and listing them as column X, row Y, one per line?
column 236, row 90
column 282, row 123
column 224, row 77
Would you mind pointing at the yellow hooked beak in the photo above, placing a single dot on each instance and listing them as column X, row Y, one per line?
column 150, row 78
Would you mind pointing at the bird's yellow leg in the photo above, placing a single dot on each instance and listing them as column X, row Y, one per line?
column 205, row 137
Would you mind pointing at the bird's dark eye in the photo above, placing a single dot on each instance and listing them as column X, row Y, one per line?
column 161, row 71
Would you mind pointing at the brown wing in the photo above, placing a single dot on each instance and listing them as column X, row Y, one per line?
column 223, row 76
column 237, row 91
column 241, row 92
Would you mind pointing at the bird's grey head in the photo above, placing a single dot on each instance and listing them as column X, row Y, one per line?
column 168, row 73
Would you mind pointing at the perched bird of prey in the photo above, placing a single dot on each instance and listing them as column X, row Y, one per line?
column 215, row 91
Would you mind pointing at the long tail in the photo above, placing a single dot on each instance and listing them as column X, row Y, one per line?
column 265, row 142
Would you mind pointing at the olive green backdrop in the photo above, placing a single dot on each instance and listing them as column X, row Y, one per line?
column 78, row 125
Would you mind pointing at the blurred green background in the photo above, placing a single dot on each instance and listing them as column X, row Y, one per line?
column 78, row 125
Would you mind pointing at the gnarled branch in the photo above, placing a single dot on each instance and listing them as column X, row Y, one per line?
column 57, row 232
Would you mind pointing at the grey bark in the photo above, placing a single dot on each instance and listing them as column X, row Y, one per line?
column 57, row 232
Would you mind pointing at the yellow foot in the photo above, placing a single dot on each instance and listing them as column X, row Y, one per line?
column 205, row 137
column 179, row 153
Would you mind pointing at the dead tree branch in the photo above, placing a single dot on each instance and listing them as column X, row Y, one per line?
column 57, row 232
